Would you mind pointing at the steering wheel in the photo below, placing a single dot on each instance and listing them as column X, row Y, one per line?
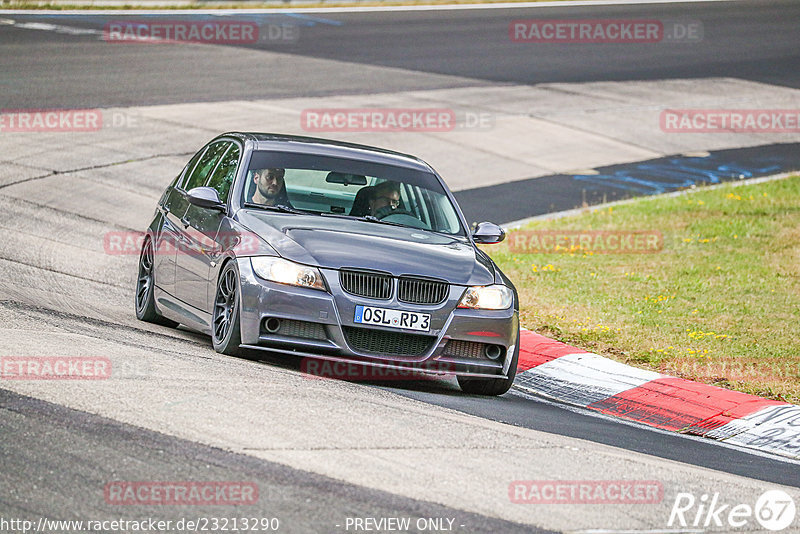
column 387, row 211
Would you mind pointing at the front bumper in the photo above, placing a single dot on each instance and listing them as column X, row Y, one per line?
column 320, row 324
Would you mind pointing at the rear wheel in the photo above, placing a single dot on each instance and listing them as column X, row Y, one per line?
column 226, row 333
column 491, row 386
column 145, row 302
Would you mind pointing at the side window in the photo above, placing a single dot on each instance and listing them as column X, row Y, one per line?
column 223, row 176
column 188, row 169
column 417, row 203
column 206, row 165
column 168, row 190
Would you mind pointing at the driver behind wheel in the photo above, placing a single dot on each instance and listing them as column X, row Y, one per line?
column 385, row 199
column 270, row 187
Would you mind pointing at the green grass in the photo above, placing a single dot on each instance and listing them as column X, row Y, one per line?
column 719, row 304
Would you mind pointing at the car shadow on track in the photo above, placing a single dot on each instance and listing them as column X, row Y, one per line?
column 434, row 385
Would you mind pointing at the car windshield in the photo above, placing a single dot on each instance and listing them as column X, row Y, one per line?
column 350, row 188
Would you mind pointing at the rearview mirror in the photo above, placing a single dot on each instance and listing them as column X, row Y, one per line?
column 488, row 233
column 205, row 197
column 345, row 179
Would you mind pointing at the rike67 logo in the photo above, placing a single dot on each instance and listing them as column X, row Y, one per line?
column 774, row 510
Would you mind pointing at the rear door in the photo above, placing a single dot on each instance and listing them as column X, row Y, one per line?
column 200, row 226
column 169, row 238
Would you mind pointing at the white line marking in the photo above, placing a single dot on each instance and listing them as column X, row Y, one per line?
column 69, row 30
column 668, row 531
column 776, row 429
column 591, row 413
column 359, row 9
column 583, row 378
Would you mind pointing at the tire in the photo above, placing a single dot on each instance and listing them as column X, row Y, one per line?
column 144, row 302
column 491, row 386
column 226, row 334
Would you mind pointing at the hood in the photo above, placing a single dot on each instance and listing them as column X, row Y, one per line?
column 334, row 243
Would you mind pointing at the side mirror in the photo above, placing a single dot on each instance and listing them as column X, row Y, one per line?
column 205, row 197
column 488, row 233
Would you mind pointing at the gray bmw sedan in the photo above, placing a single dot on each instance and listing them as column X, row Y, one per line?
column 333, row 251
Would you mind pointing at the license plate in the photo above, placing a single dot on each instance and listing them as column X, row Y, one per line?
column 393, row 318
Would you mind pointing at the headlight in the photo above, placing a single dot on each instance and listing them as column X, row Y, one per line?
column 496, row 297
column 287, row 272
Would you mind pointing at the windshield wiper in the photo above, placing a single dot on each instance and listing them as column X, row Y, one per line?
column 278, row 207
column 368, row 218
column 372, row 218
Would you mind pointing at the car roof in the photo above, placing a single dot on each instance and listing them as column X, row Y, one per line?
column 329, row 147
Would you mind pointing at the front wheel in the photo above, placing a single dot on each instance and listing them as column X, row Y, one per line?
column 145, row 302
column 226, row 334
column 491, row 386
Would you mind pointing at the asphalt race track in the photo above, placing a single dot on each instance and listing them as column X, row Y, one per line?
column 561, row 192
column 323, row 451
column 751, row 40
column 301, row 501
